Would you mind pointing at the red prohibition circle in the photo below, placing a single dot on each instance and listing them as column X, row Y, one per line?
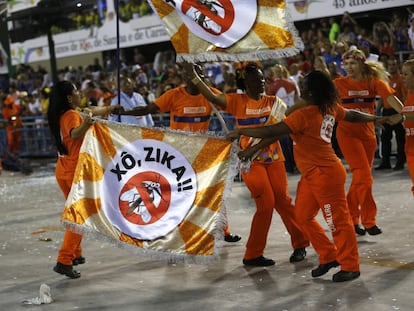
column 141, row 192
column 202, row 6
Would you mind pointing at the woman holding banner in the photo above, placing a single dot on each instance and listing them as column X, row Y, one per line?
column 266, row 180
column 68, row 128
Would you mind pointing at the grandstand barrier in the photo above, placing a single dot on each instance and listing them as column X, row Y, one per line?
column 402, row 56
column 36, row 140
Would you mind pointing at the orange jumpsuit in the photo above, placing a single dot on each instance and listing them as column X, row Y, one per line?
column 322, row 187
column 11, row 113
column 358, row 143
column 65, row 170
column 267, row 180
column 187, row 113
column 409, row 136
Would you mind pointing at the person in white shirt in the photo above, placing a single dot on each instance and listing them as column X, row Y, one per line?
column 411, row 31
column 33, row 105
column 366, row 48
column 130, row 100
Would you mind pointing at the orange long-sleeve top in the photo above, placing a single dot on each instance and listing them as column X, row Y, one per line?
column 251, row 113
column 66, row 164
column 312, row 134
column 360, row 95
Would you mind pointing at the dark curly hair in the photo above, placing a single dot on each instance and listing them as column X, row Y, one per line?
column 241, row 74
column 323, row 91
column 58, row 105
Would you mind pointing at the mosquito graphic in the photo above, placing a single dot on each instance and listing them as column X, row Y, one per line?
column 203, row 20
column 135, row 201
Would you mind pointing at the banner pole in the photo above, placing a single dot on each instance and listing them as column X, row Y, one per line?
column 118, row 54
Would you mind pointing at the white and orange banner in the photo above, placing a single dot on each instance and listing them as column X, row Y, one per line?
column 154, row 192
column 235, row 30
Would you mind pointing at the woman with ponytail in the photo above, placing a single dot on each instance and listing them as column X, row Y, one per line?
column 68, row 128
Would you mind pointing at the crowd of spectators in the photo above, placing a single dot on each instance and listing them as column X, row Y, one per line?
column 96, row 16
column 325, row 41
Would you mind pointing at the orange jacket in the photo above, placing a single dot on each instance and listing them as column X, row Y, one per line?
column 187, row 112
column 66, row 164
column 360, row 95
column 251, row 113
column 11, row 113
column 312, row 135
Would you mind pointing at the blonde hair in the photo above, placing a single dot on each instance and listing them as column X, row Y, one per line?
column 322, row 64
column 286, row 73
column 409, row 64
column 369, row 69
column 280, row 71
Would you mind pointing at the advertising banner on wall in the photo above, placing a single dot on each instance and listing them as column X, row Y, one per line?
column 311, row 9
column 134, row 31
column 18, row 5
column 142, row 30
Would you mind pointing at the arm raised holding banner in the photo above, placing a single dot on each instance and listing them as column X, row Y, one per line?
column 266, row 179
column 276, row 112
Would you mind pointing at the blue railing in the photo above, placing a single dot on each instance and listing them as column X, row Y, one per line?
column 36, row 140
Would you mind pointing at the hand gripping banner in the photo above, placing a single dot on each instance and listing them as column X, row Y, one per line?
column 276, row 115
column 154, row 192
column 228, row 30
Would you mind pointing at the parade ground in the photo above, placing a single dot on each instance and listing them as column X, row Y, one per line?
column 113, row 279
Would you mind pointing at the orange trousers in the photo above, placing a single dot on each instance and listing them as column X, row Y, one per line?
column 323, row 188
column 268, row 186
column 14, row 136
column 409, row 154
column 360, row 155
column 71, row 245
column 227, row 230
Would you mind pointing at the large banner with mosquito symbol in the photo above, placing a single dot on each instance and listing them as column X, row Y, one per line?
column 233, row 30
column 154, row 192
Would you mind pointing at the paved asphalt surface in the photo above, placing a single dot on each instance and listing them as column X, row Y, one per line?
column 113, row 279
